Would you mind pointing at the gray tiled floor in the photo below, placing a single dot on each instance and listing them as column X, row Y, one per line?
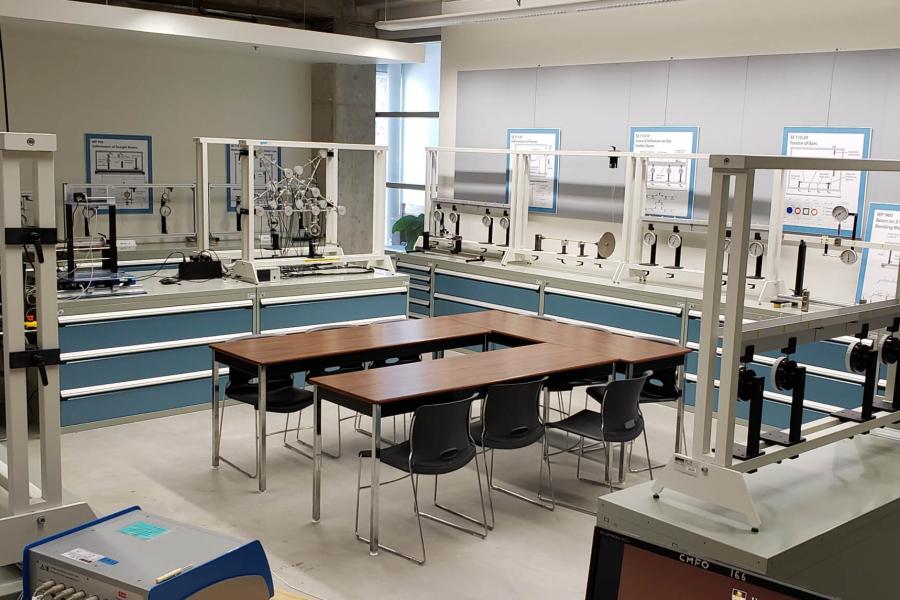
column 164, row 466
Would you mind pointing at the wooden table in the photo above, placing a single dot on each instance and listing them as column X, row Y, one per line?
column 400, row 389
column 297, row 352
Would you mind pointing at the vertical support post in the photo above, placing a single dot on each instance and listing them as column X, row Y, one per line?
column 379, row 191
column 317, row 455
column 374, row 514
column 47, row 335
column 261, row 429
column 774, row 281
column 430, row 186
column 248, row 219
column 216, row 413
column 709, row 323
column 631, row 217
column 13, row 338
column 679, row 404
column 201, row 195
column 332, row 190
column 734, row 310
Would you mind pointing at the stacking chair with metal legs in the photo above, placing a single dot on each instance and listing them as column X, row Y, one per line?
column 392, row 362
column 281, row 398
column 661, row 387
column 618, row 422
column 510, row 419
column 439, row 443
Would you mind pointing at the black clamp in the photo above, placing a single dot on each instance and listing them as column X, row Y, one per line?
column 787, row 375
column 33, row 236
column 35, row 357
column 750, row 388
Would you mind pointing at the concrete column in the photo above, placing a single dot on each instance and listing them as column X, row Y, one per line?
column 343, row 110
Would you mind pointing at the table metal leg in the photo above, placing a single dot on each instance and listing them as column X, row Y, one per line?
column 373, row 508
column 215, row 412
column 546, row 405
column 261, row 430
column 317, row 455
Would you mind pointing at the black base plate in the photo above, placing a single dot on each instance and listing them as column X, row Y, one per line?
column 882, row 405
column 780, row 438
column 740, row 451
column 854, row 415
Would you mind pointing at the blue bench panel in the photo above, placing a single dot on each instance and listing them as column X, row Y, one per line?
column 141, row 365
column 775, row 414
column 416, row 272
column 419, row 294
column 318, row 312
column 157, row 328
column 614, row 315
column 495, row 293
column 820, row 389
column 418, row 309
column 127, row 403
column 448, row 307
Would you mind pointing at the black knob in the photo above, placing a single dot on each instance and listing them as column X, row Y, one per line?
column 36, row 242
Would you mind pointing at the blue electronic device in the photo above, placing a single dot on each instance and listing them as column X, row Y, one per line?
column 133, row 555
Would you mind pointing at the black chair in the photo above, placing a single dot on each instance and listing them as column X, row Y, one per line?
column 439, row 443
column 662, row 386
column 618, row 422
column 560, row 387
column 281, row 398
column 510, row 419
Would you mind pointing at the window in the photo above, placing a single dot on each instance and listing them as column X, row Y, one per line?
column 406, row 120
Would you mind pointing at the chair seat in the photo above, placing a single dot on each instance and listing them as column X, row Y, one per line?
column 510, row 441
column 649, row 398
column 597, row 392
column 282, row 399
column 589, row 424
column 397, row 456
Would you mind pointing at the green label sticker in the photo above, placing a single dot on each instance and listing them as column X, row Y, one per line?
column 144, row 531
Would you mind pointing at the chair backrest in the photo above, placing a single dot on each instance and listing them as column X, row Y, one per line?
column 620, row 408
column 662, row 386
column 337, row 368
column 511, row 409
column 440, row 432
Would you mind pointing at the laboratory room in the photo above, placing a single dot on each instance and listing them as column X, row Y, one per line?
column 460, row 299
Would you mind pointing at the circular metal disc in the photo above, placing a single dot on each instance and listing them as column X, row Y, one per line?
column 607, row 245
column 776, row 379
column 314, row 229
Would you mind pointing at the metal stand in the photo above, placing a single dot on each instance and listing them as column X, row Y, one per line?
column 30, row 507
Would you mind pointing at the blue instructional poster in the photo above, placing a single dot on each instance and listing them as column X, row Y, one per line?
column 125, row 164
column 670, row 180
column 878, row 271
column 811, row 197
column 544, row 168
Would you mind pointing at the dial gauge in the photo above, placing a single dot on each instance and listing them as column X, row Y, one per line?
column 165, row 210
column 504, row 222
column 486, row 221
column 649, row 238
column 840, row 213
column 674, row 241
column 453, row 216
column 756, row 248
column 849, row 256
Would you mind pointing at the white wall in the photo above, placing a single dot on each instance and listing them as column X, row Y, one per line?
column 678, row 30
column 70, row 83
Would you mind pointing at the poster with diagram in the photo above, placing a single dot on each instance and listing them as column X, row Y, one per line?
column 670, row 181
column 878, row 268
column 121, row 161
column 543, row 168
column 266, row 169
column 811, row 196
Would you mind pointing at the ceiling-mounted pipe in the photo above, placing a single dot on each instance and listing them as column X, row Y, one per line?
column 491, row 16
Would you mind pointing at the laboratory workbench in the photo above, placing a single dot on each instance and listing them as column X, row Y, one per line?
column 137, row 356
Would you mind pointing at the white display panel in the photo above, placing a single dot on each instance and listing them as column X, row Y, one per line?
column 670, row 181
column 121, row 160
column 878, row 272
column 268, row 161
column 544, row 169
column 811, row 196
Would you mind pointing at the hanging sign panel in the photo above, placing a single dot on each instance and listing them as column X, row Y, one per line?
column 878, row 271
column 121, row 161
column 544, row 168
column 266, row 169
column 811, row 196
column 670, row 181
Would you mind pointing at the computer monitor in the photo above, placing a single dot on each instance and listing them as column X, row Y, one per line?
column 625, row 568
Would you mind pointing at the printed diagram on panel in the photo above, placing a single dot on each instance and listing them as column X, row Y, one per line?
column 878, row 277
column 670, row 180
column 266, row 169
column 542, row 167
column 812, row 196
column 121, row 162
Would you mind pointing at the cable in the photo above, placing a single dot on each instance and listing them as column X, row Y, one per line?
column 163, row 265
column 5, row 95
column 295, row 588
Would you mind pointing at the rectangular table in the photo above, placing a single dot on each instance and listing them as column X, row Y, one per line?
column 400, row 389
column 297, row 352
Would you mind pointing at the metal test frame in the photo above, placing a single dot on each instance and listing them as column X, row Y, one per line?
column 252, row 258
column 713, row 475
column 31, row 507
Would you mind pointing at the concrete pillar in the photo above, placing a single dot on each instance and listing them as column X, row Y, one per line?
column 343, row 110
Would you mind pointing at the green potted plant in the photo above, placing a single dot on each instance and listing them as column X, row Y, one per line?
column 410, row 228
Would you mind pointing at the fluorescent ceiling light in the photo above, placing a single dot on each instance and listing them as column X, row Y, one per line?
column 492, row 16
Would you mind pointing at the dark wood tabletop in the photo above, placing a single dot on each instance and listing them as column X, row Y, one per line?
column 459, row 373
column 623, row 348
column 299, row 347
